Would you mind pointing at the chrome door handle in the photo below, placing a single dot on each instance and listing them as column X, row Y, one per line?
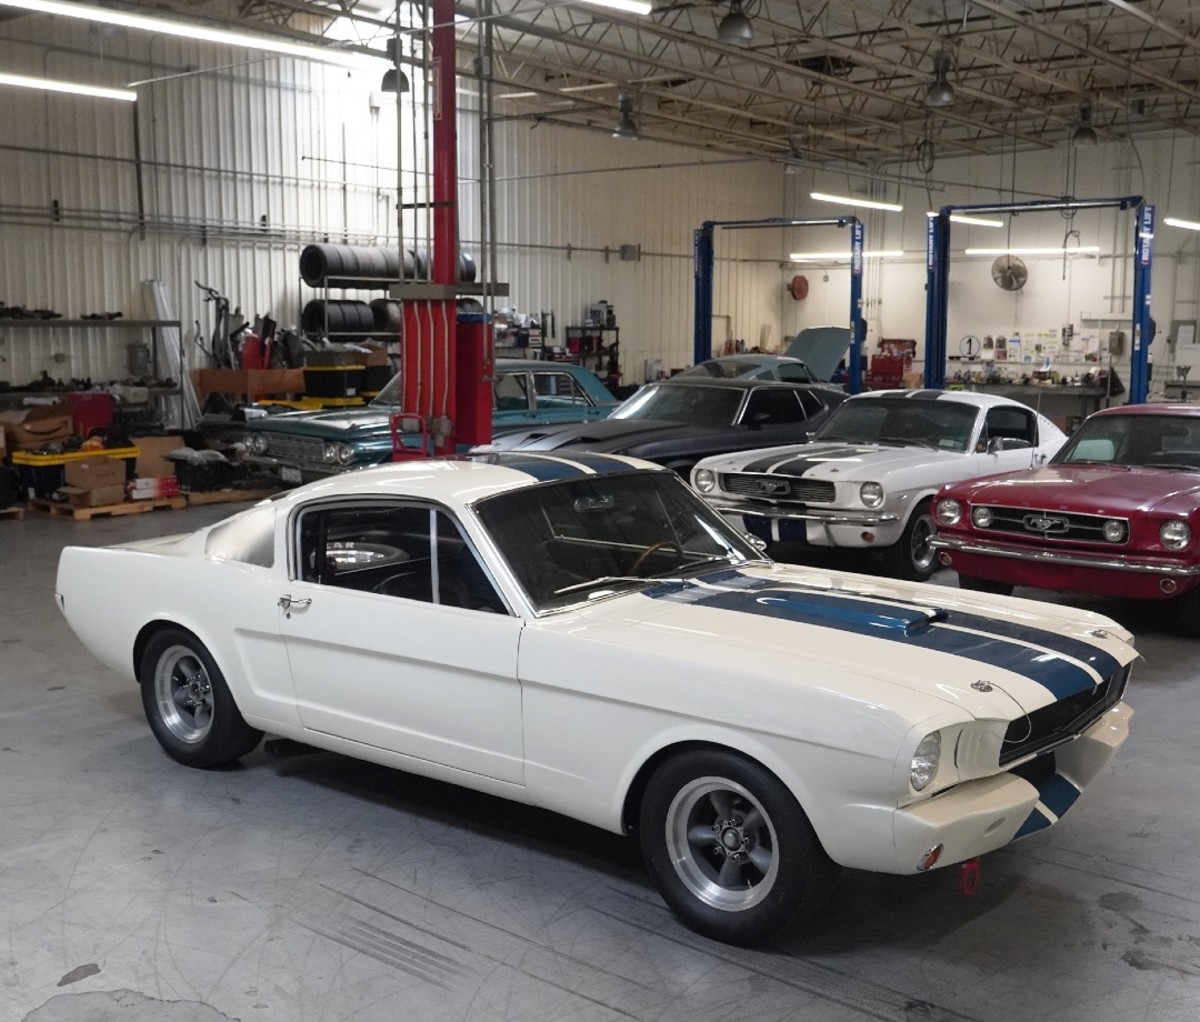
column 288, row 602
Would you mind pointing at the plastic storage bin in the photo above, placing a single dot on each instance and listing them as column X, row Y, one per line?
column 42, row 474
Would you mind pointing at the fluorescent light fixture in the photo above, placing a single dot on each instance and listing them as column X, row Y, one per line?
column 845, row 200
column 1189, row 225
column 74, row 88
column 840, row 257
column 630, row 6
column 1080, row 250
column 974, row 221
column 190, row 30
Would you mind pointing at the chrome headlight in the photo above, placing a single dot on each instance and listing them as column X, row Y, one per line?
column 925, row 761
column 256, row 443
column 345, row 454
column 704, row 480
column 1175, row 534
column 949, row 511
column 981, row 517
column 871, row 494
column 1114, row 531
column 330, row 452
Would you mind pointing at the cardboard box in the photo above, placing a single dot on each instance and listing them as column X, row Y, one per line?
column 95, row 473
column 32, row 427
column 246, row 383
column 152, row 455
column 98, row 496
column 152, row 488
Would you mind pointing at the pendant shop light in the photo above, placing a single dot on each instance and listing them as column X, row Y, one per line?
column 1085, row 134
column 735, row 28
column 941, row 92
column 626, row 127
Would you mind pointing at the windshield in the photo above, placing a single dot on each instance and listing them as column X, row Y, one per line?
column 903, row 422
column 1148, row 441
column 573, row 540
column 695, row 405
column 390, row 395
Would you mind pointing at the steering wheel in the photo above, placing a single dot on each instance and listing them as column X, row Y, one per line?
column 662, row 544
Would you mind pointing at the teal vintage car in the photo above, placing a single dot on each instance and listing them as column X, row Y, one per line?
column 299, row 447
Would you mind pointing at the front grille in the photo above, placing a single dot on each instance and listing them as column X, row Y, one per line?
column 1049, row 725
column 295, row 448
column 1052, row 525
column 779, row 487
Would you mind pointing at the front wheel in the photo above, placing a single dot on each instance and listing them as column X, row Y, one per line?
column 188, row 705
column 731, row 850
column 913, row 557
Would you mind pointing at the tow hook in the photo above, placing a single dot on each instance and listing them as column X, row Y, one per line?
column 968, row 880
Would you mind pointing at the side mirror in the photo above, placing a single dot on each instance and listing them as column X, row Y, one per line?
column 995, row 444
column 759, row 544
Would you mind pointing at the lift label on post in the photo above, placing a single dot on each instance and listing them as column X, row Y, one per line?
column 930, row 228
column 1145, row 234
column 856, row 248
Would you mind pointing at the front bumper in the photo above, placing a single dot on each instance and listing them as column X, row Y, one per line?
column 1141, row 577
column 980, row 816
column 827, row 527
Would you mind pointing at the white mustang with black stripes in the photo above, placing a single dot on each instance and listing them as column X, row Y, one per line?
column 583, row 633
column 868, row 478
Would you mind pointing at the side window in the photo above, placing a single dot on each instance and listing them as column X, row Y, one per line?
column 406, row 551
column 811, row 404
column 772, row 406
column 509, row 392
column 558, row 390
column 1017, row 427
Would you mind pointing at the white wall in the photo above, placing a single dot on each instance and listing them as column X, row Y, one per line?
column 300, row 144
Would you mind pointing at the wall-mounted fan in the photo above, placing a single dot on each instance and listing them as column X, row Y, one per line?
column 1009, row 273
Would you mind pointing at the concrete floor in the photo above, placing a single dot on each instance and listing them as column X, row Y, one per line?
column 318, row 888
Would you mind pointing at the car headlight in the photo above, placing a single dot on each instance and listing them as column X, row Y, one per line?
column 705, row 480
column 949, row 511
column 256, row 443
column 981, row 517
column 925, row 761
column 345, row 454
column 330, row 452
column 871, row 494
column 1114, row 531
column 1175, row 534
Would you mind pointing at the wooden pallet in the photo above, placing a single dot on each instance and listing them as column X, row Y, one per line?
column 15, row 513
column 227, row 496
column 130, row 507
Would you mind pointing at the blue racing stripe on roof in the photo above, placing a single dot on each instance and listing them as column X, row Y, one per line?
column 598, row 463
column 908, row 624
column 542, row 469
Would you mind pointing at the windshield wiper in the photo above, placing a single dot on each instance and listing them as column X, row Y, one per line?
column 1174, row 466
column 902, row 441
column 604, row 580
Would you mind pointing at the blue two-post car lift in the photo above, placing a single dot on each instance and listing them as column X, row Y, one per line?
column 704, row 262
column 937, row 265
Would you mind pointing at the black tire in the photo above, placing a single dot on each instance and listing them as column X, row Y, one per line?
column 912, row 558
column 188, row 704
column 761, row 870
column 984, row 585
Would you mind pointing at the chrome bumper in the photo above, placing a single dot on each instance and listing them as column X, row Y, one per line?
column 1069, row 559
column 807, row 515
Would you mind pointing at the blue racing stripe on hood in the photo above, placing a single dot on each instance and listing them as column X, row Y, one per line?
column 598, row 463
column 894, row 622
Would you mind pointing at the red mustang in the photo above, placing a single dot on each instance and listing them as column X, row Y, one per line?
column 1115, row 513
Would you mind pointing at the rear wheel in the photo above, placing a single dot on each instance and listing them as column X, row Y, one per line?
column 913, row 557
column 984, row 585
column 188, row 705
column 729, row 847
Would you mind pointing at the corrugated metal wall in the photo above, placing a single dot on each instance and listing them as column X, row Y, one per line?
column 241, row 167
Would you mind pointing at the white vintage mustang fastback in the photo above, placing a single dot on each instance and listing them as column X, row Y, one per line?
column 582, row 632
